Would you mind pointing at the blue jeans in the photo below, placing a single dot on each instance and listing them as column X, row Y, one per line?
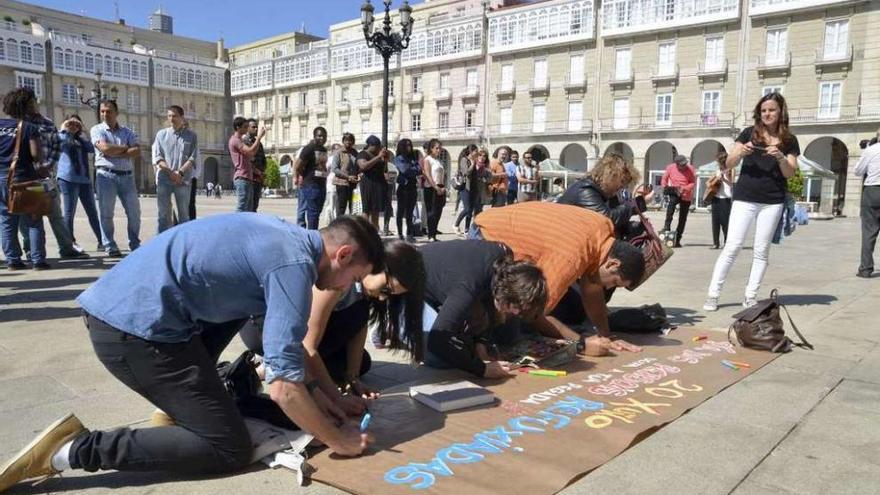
column 311, row 198
column 164, row 190
column 110, row 186
column 73, row 191
column 244, row 195
column 9, row 231
column 59, row 229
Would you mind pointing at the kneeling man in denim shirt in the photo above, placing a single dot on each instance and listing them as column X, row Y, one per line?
column 160, row 319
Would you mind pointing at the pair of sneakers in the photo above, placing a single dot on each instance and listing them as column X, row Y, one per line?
column 711, row 303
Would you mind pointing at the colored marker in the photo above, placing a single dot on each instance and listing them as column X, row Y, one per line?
column 700, row 337
column 365, row 423
column 547, row 373
column 730, row 365
column 742, row 365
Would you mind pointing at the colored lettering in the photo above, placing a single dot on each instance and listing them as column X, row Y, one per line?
column 519, row 424
column 458, row 455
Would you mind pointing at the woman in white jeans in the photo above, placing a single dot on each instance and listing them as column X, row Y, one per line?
column 769, row 156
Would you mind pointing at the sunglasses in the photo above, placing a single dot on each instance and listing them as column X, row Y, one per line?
column 388, row 290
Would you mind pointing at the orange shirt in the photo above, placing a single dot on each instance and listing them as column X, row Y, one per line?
column 566, row 242
column 497, row 184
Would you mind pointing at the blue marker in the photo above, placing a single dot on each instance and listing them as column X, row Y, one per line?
column 365, row 423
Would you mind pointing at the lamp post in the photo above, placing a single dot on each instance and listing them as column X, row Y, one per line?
column 387, row 44
column 98, row 92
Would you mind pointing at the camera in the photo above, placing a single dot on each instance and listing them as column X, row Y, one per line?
column 864, row 143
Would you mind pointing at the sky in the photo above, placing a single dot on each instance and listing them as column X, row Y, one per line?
column 236, row 22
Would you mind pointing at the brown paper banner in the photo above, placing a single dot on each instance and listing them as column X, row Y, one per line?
column 543, row 432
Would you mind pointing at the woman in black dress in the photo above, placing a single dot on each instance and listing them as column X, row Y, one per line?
column 372, row 163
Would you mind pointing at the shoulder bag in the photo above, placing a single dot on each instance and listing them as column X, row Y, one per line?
column 655, row 251
column 761, row 327
column 28, row 197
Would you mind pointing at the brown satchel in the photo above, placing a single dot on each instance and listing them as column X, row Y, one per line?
column 760, row 327
column 655, row 251
column 712, row 186
column 29, row 197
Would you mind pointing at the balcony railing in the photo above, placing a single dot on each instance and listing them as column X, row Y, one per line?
column 774, row 64
column 831, row 114
column 471, row 92
column 825, row 60
column 414, row 97
column 679, row 121
column 443, row 94
column 578, row 83
column 539, row 87
column 664, row 74
column 363, row 103
column 584, row 126
column 506, row 90
column 715, row 70
column 267, row 115
column 342, row 106
column 618, row 78
column 320, row 108
column 301, row 111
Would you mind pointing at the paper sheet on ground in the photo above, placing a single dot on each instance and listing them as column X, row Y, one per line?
column 544, row 432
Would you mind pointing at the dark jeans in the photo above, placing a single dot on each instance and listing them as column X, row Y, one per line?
column 406, row 202
column 511, row 196
column 685, row 208
column 720, row 218
column 471, row 206
column 343, row 200
column 312, row 198
column 82, row 192
column 388, row 209
column 181, row 379
column 9, row 226
column 870, row 213
column 258, row 193
column 342, row 327
column 435, row 209
column 192, row 199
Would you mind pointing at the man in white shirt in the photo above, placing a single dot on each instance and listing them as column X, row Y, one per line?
column 869, row 169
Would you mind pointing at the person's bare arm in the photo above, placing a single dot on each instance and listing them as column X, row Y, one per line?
column 323, row 303
column 593, row 299
column 551, row 327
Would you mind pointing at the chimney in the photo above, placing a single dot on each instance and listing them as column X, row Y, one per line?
column 121, row 22
column 221, row 52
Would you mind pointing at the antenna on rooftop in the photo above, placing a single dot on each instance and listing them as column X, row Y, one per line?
column 116, row 9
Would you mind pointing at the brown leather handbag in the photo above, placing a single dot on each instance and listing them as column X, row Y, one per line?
column 655, row 251
column 28, row 197
column 760, row 327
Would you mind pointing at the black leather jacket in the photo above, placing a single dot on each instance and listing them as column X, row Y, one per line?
column 586, row 194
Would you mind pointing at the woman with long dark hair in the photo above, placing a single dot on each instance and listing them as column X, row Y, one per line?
column 408, row 172
column 391, row 301
column 769, row 154
column 435, row 188
column 73, row 175
column 470, row 195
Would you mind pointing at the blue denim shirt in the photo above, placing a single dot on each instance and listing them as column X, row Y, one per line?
column 73, row 164
column 512, row 181
column 213, row 270
column 121, row 136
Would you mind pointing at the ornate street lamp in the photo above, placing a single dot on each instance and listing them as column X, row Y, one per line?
column 387, row 44
column 99, row 92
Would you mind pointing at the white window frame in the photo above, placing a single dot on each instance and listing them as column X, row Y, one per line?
column 133, row 101
column 415, row 122
column 343, row 94
column 443, row 121
column 666, row 58
column 35, row 79
column 505, row 120
column 622, row 71
column 620, row 121
column 474, row 74
column 716, row 103
column 658, row 121
column 302, row 99
column 469, row 119
column 576, row 70
column 507, row 77
column 539, row 78
column 68, row 94
column 443, row 81
column 714, row 57
column 776, row 50
column 836, row 40
column 366, row 91
column 365, row 128
column 322, row 97
column 575, row 119
column 539, row 118
column 828, row 110
column 416, row 84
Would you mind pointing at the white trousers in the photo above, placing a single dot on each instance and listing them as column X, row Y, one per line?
column 743, row 215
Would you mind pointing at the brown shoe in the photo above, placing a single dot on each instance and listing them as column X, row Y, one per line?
column 160, row 418
column 35, row 460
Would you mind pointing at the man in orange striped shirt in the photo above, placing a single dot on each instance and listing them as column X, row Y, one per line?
column 569, row 244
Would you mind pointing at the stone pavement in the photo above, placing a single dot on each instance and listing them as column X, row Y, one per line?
column 807, row 423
